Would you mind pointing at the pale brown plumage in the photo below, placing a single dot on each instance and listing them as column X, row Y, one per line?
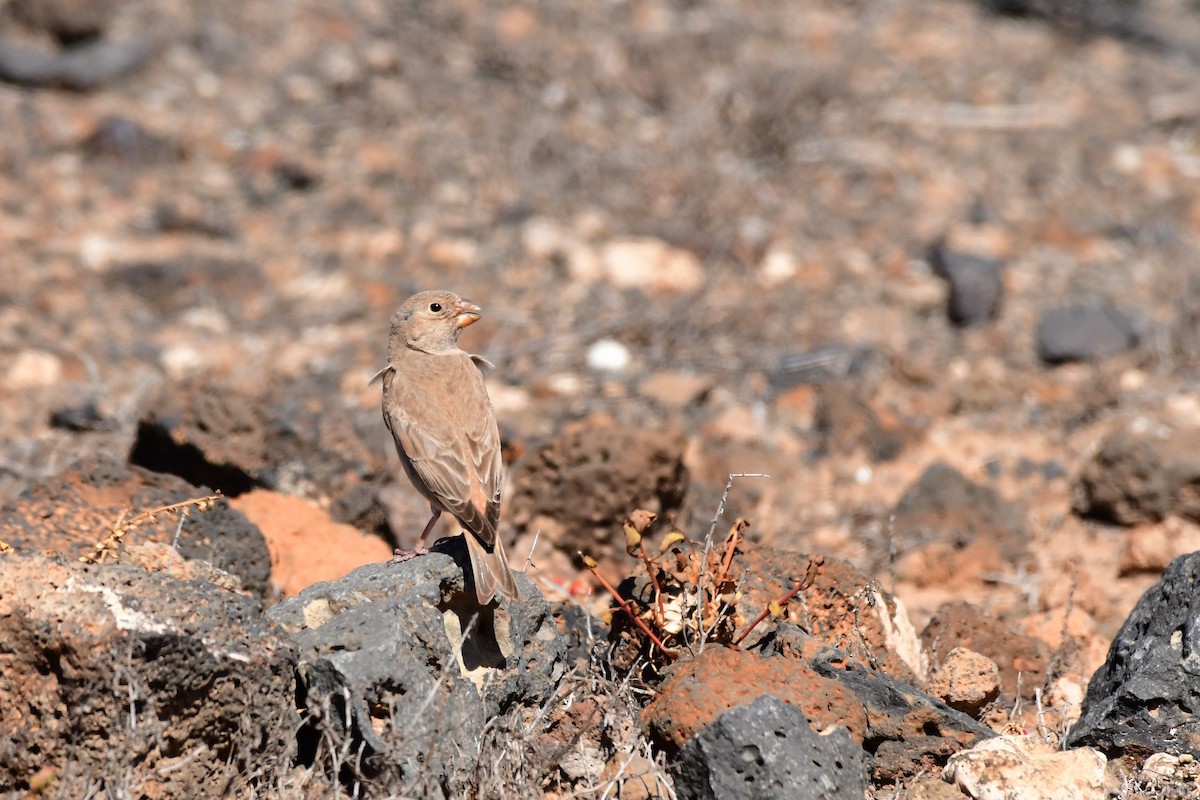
column 437, row 408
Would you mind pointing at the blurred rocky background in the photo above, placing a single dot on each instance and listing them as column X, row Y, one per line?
column 930, row 266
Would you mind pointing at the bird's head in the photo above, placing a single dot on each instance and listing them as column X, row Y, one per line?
column 432, row 321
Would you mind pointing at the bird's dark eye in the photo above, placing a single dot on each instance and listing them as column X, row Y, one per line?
column 435, row 307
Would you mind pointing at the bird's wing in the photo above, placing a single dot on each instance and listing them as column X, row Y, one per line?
column 453, row 447
column 490, row 466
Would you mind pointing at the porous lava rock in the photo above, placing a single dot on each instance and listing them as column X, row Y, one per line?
column 121, row 681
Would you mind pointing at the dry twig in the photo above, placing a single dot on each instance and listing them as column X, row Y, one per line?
column 115, row 532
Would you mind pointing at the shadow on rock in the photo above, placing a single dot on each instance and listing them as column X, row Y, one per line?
column 400, row 679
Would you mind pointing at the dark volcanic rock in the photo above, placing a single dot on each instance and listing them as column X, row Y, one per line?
column 387, row 672
column 287, row 440
column 903, row 760
column 69, row 513
column 768, row 750
column 1142, row 474
column 1084, row 333
column 579, row 487
column 124, row 682
column 82, row 67
column 976, row 288
column 67, row 20
column 899, row 712
column 85, row 417
column 943, row 492
column 1088, row 17
column 846, row 423
column 944, row 507
column 127, row 141
column 1144, row 697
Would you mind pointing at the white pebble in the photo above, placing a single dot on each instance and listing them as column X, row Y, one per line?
column 32, row 369
column 608, row 355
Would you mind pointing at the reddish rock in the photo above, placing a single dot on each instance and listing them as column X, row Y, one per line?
column 966, row 681
column 306, row 545
column 842, row 608
column 719, row 679
column 830, row 688
column 964, row 625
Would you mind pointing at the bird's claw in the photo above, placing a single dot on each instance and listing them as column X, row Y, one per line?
column 400, row 555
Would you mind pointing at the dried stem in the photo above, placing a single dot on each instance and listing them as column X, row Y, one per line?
column 591, row 565
column 116, row 531
column 814, row 564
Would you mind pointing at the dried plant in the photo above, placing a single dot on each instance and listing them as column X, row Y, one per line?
column 126, row 524
column 690, row 594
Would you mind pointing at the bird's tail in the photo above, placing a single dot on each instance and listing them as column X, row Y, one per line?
column 492, row 575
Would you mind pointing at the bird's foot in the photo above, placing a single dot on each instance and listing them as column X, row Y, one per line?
column 400, row 555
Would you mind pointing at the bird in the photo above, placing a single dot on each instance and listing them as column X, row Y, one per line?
column 437, row 408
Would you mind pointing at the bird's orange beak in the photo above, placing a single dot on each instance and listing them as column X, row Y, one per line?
column 466, row 314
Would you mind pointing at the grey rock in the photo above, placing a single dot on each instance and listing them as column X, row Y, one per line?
column 976, row 288
column 898, row 711
column 125, row 140
column 1145, row 695
column 768, row 750
column 81, row 67
column 1085, row 332
column 943, row 505
column 942, row 489
column 845, row 422
column 394, row 688
column 129, row 683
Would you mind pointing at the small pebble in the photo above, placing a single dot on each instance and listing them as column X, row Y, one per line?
column 31, row 369
column 608, row 355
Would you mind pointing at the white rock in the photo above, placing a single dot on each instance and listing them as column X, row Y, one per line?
column 508, row 399
column 902, row 638
column 649, row 263
column 1161, row 766
column 1009, row 767
column 33, row 368
column 608, row 355
column 545, row 239
column 180, row 360
column 97, row 251
column 778, row 266
column 206, row 319
column 564, row 384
